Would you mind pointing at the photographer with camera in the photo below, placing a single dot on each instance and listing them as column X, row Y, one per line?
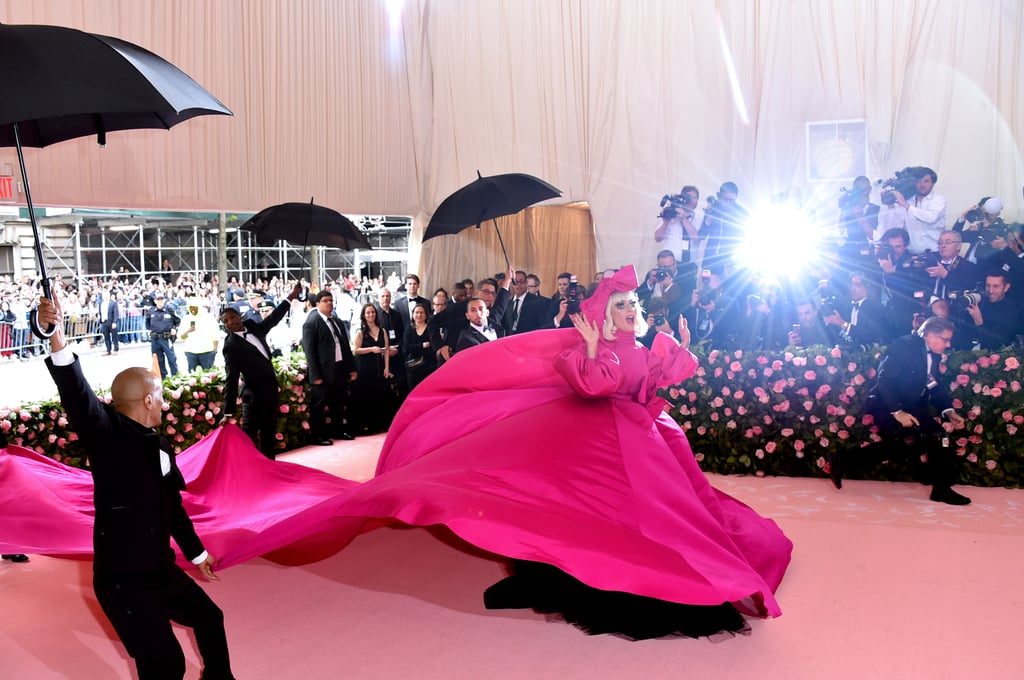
column 1009, row 259
column 902, row 282
column 723, row 228
column 657, row 322
column 951, row 273
column 996, row 320
column 858, row 222
column 681, row 219
column 810, row 330
column 982, row 228
column 865, row 322
column 558, row 309
column 669, row 282
column 922, row 214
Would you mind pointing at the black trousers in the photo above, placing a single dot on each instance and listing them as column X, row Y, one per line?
column 941, row 469
column 328, row 398
column 141, row 607
column 259, row 419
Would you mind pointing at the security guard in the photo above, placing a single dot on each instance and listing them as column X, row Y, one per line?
column 163, row 326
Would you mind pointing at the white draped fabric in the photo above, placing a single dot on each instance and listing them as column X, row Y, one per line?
column 386, row 107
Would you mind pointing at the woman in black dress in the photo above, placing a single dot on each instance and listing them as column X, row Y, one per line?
column 374, row 402
column 420, row 360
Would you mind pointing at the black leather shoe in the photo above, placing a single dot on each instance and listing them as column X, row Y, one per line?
column 16, row 558
column 345, row 436
column 949, row 497
column 324, row 442
column 835, row 469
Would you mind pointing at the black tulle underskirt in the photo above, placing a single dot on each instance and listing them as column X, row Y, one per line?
column 549, row 590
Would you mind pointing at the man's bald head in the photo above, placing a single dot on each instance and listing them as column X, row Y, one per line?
column 138, row 394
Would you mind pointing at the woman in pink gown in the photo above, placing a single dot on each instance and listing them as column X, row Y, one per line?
column 573, row 463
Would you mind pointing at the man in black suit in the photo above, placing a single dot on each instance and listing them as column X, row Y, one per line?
column 391, row 322
column 137, row 495
column 477, row 332
column 406, row 303
column 331, row 367
column 247, row 354
column 908, row 384
column 865, row 322
column 110, row 320
column 524, row 312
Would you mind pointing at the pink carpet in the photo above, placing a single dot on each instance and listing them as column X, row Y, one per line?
column 883, row 584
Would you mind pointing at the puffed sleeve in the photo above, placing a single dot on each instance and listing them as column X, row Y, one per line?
column 671, row 363
column 590, row 377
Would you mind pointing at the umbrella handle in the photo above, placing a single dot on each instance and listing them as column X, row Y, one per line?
column 33, row 317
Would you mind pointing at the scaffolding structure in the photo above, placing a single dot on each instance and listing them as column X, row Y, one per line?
column 88, row 244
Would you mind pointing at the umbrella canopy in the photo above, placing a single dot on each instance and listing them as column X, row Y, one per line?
column 63, row 83
column 487, row 198
column 306, row 224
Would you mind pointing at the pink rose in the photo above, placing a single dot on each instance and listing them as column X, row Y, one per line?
column 990, row 464
column 810, row 375
column 798, row 444
column 735, row 366
column 1015, row 386
column 808, row 405
column 1011, row 428
column 770, row 447
column 701, row 429
column 284, row 407
column 973, row 457
column 984, row 362
column 996, row 392
column 843, row 434
column 820, row 360
column 739, row 394
column 726, row 391
column 739, row 353
column 759, row 453
column 1011, row 365
column 849, row 421
column 762, row 360
column 718, row 371
column 731, row 424
column 279, row 437
column 823, row 442
column 957, row 403
column 714, row 417
column 787, row 432
column 768, row 372
column 777, row 365
column 963, row 380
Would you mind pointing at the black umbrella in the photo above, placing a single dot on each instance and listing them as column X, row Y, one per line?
column 488, row 198
column 308, row 224
column 64, row 83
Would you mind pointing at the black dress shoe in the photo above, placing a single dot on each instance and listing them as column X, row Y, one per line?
column 16, row 558
column 344, row 435
column 835, row 469
column 949, row 497
column 324, row 442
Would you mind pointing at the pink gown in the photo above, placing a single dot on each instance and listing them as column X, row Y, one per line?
column 570, row 462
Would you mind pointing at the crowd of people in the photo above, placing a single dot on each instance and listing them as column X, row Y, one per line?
column 881, row 269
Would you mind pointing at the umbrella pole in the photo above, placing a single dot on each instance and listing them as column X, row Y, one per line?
column 38, row 330
column 508, row 265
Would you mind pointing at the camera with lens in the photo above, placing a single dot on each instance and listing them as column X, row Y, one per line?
column 965, row 298
column 572, row 296
column 904, row 181
column 928, row 258
column 671, row 204
column 657, row 320
column 886, row 252
column 662, row 273
column 973, row 215
column 850, row 198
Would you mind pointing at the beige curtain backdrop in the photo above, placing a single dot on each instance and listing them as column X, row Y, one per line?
column 386, row 107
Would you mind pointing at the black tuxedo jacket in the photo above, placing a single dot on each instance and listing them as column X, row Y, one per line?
column 470, row 337
column 242, row 359
column 113, row 312
column 903, row 379
column 318, row 344
column 138, row 509
column 873, row 324
column 532, row 315
column 401, row 305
